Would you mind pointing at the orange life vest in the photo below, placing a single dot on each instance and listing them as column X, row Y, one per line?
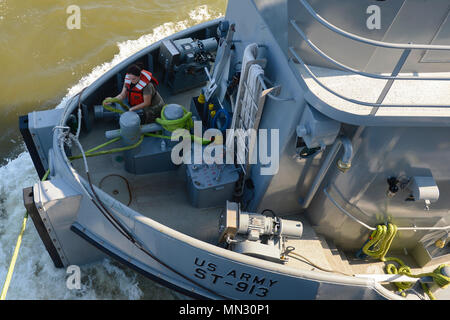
column 135, row 92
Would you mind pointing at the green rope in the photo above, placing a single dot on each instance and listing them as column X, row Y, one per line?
column 404, row 270
column 377, row 247
column 103, row 145
column 90, row 154
column 184, row 122
column 380, row 241
column 441, row 280
column 112, row 109
column 154, row 135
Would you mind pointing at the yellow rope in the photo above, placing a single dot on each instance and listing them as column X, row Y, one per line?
column 112, row 109
column 377, row 247
column 441, row 280
column 16, row 251
column 380, row 241
column 90, row 152
column 403, row 269
column 14, row 258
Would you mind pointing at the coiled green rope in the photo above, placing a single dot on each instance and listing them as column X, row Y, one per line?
column 380, row 241
column 184, row 122
column 111, row 108
column 377, row 247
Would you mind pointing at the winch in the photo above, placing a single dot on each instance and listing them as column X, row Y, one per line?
column 185, row 60
column 256, row 234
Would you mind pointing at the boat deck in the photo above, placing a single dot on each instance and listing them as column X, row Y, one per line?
column 160, row 196
column 163, row 197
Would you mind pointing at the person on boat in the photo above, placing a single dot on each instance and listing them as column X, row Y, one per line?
column 139, row 92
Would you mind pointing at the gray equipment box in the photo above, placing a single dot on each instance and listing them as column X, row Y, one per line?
column 150, row 157
column 205, row 189
column 316, row 129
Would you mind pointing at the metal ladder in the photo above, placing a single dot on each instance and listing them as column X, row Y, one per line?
column 248, row 108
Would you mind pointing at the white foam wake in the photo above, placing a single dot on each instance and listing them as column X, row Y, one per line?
column 35, row 276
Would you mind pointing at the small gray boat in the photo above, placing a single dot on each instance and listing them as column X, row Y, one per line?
column 302, row 153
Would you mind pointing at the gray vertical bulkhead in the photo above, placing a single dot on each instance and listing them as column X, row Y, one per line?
column 279, row 115
column 380, row 153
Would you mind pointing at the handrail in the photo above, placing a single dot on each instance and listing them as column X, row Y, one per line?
column 372, row 228
column 352, row 36
column 349, row 69
column 363, row 103
column 390, row 79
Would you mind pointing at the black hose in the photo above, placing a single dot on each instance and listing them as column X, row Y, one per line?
column 269, row 210
column 124, row 179
column 123, row 230
column 119, row 227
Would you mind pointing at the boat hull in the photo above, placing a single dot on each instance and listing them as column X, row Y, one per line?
column 78, row 232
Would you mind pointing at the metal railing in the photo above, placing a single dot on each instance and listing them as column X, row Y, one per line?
column 348, row 214
column 407, row 48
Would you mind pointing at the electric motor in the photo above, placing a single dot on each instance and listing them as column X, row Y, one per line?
column 184, row 62
column 256, row 225
column 253, row 226
column 255, row 234
column 177, row 52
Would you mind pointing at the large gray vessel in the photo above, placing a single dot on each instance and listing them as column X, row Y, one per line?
column 303, row 153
